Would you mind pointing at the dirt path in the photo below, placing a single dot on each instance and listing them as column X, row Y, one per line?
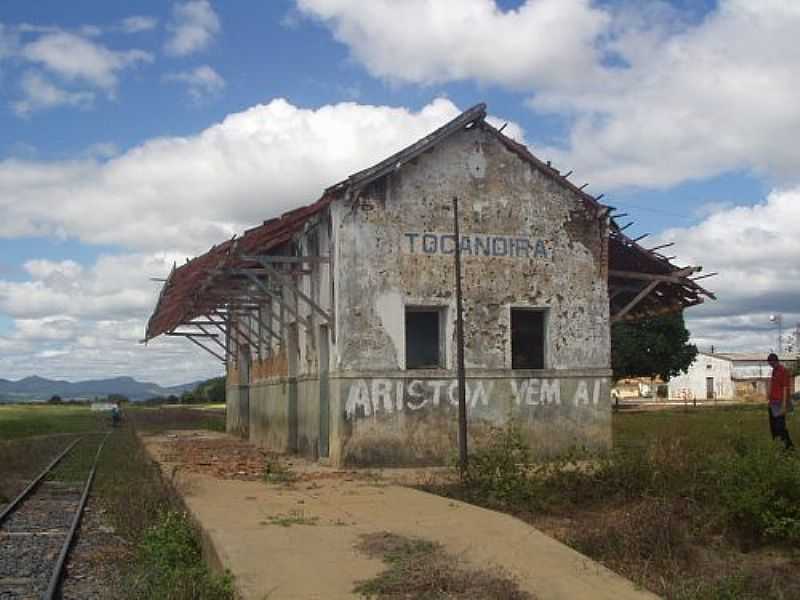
column 297, row 540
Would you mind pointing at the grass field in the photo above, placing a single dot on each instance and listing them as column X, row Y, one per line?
column 161, row 553
column 699, row 426
column 695, row 505
column 25, row 420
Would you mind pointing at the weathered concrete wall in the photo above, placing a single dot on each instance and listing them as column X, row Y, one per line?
column 308, row 417
column 236, row 415
column 284, row 415
column 272, row 414
column 526, row 242
column 407, row 419
column 397, row 253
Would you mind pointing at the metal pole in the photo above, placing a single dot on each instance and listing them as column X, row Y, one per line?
column 462, row 390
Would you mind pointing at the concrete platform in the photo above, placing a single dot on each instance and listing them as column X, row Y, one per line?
column 298, row 543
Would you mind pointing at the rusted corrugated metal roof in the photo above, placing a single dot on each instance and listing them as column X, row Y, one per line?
column 182, row 296
column 185, row 293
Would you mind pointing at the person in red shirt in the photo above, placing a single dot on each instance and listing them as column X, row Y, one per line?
column 780, row 386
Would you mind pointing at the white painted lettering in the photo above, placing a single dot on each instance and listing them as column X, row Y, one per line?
column 358, row 396
column 480, row 394
column 532, row 393
column 581, row 394
column 452, row 393
column 416, row 397
column 382, row 395
column 551, row 391
column 519, row 387
column 437, row 391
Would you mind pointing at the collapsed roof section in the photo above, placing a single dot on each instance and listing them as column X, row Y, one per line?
column 232, row 275
column 643, row 283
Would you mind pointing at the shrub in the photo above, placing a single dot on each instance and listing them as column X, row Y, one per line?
column 171, row 565
column 498, row 471
column 759, row 490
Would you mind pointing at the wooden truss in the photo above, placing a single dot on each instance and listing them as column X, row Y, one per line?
column 650, row 282
column 238, row 297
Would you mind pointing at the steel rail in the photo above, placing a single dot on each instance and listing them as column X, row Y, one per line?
column 55, row 578
column 24, row 493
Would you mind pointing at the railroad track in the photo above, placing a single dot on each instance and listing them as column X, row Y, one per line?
column 38, row 527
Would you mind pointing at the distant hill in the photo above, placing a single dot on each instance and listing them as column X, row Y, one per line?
column 38, row 389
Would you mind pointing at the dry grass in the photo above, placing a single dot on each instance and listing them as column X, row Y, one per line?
column 421, row 569
column 163, row 418
column 679, row 507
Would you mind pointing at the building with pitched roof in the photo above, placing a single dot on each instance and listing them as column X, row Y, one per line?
column 336, row 321
column 728, row 376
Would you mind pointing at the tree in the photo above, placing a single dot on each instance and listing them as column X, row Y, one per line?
column 54, row 399
column 658, row 346
column 215, row 390
column 117, row 399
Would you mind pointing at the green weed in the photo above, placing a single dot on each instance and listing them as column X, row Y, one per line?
column 295, row 517
column 418, row 568
column 170, row 564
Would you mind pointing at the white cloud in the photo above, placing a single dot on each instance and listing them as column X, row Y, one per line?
column 202, row 82
column 138, row 23
column 755, row 250
column 90, row 31
column 715, row 97
column 175, row 197
column 76, row 350
column 115, row 287
column 430, row 41
column 46, row 329
column 193, row 27
column 44, row 269
column 41, row 94
column 77, row 59
column 653, row 97
column 101, row 150
column 190, row 192
column 82, row 321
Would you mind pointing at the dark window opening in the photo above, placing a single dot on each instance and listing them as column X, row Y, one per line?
column 423, row 338
column 527, row 338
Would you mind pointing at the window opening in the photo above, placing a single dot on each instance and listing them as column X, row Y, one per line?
column 527, row 338
column 424, row 339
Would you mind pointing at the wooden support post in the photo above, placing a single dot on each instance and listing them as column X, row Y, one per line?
column 461, row 373
column 639, row 297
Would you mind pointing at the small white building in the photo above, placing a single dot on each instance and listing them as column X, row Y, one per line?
column 726, row 376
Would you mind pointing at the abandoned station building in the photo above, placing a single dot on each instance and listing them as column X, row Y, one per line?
column 336, row 321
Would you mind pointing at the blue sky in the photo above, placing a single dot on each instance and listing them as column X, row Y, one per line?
column 133, row 135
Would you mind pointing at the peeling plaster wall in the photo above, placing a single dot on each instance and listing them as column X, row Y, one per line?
column 284, row 395
column 381, row 413
column 402, row 419
column 270, row 415
column 235, row 419
column 237, row 412
column 378, row 273
column 393, row 251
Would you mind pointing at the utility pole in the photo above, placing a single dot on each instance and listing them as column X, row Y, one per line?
column 462, row 391
column 778, row 320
